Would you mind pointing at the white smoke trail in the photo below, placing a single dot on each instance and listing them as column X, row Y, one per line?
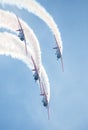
column 10, row 45
column 8, row 20
column 37, row 9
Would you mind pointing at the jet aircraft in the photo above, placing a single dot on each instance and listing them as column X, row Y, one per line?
column 58, row 53
column 45, row 101
column 21, row 34
column 36, row 73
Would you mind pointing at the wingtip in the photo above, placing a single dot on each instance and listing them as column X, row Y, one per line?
column 62, row 64
column 48, row 113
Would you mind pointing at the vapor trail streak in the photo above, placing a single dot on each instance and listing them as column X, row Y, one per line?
column 10, row 45
column 35, row 8
column 9, row 20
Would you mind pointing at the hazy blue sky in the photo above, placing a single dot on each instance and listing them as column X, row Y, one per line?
column 20, row 102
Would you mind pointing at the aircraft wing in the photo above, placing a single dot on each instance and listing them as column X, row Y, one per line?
column 20, row 26
column 25, row 45
column 60, row 54
column 35, row 69
column 62, row 63
column 40, row 83
column 21, row 29
column 45, row 94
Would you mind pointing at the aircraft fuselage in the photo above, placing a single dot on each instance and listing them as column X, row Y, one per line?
column 45, row 103
column 58, row 54
column 36, row 76
column 21, row 35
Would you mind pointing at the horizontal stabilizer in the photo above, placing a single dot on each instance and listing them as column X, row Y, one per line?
column 55, row 47
column 33, row 70
column 18, row 30
column 42, row 94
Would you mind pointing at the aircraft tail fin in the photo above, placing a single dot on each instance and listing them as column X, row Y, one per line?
column 25, row 47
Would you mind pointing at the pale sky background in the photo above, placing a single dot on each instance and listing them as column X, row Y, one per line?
column 20, row 103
